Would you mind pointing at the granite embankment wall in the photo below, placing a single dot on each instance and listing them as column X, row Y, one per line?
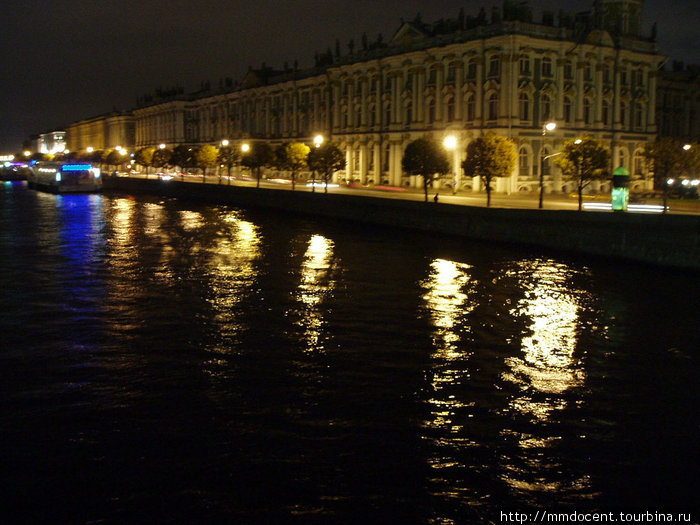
column 666, row 240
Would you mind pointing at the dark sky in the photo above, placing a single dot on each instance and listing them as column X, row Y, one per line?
column 66, row 60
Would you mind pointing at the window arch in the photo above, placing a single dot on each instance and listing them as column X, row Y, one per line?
column 638, row 163
column 545, row 107
column 470, row 107
column 606, row 112
column 524, row 161
column 524, row 106
column 431, row 111
column 623, row 114
column 386, row 157
column 409, row 113
column 450, row 109
column 568, row 110
column 546, row 67
column 494, row 66
column 587, row 111
column 638, row 115
column 493, row 106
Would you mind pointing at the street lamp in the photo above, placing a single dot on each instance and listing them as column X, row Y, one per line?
column 245, row 148
column 224, row 144
column 318, row 140
column 549, row 126
column 450, row 144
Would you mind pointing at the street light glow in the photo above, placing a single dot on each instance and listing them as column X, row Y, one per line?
column 686, row 147
column 550, row 126
column 224, row 143
column 578, row 141
column 450, row 142
column 318, row 140
column 245, row 147
column 162, row 146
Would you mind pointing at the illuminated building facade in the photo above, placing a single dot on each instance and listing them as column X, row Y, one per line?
column 593, row 73
column 102, row 132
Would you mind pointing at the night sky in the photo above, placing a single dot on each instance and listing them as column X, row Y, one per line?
column 69, row 60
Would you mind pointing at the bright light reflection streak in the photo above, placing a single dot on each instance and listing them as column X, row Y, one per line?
column 642, row 208
column 447, row 303
column 232, row 275
column 547, row 366
column 316, row 283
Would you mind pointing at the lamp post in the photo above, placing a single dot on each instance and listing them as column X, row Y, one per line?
column 549, row 126
column 450, row 144
column 245, row 148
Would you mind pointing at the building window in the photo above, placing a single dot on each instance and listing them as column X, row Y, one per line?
column 471, row 70
column 450, row 109
column 546, row 107
column 638, row 115
column 568, row 70
column 470, row 107
column 525, row 66
column 623, row 77
column 587, row 73
column 638, row 168
column 623, row 158
column 524, row 161
column 568, row 110
column 432, row 76
column 451, row 74
column 587, row 111
column 623, row 114
column 409, row 113
column 524, row 106
column 493, row 106
column 431, row 111
column 606, row 113
column 494, row 66
column 387, row 156
column 546, row 67
column 606, row 74
column 387, row 114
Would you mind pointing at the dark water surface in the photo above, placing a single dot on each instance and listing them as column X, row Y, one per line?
column 164, row 361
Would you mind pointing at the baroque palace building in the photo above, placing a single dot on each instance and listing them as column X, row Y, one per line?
column 592, row 73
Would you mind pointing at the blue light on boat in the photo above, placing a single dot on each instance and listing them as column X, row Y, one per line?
column 76, row 167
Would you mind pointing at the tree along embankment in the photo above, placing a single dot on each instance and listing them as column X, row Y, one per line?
column 666, row 240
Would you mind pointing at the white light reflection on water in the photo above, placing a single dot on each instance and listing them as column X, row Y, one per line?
column 448, row 302
column 545, row 373
column 317, row 283
column 232, row 276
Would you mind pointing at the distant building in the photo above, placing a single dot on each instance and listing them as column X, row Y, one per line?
column 678, row 103
column 591, row 73
column 51, row 142
column 102, row 132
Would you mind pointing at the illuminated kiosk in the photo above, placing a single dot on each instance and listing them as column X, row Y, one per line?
column 620, row 191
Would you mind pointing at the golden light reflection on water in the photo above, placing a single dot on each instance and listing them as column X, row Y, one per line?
column 317, row 283
column 447, row 303
column 548, row 364
column 232, row 272
column 544, row 372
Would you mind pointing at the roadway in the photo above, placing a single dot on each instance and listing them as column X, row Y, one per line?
column 498, row 200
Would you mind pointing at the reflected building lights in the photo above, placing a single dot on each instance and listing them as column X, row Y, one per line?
column 544, row 372
column 317, row 282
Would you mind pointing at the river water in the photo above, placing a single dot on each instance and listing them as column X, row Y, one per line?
column 171, row 362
